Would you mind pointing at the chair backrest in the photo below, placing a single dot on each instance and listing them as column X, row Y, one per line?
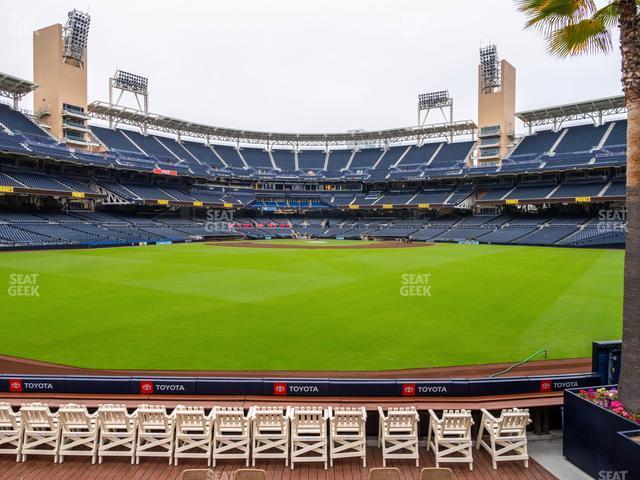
column 269, row 419
column 8, row 419
column 401, row 420
column 249, row 474
column 456, row 422
column 308, row 420
column 190, row 420
column 198, row 474
column 230, row 420
column 386, row 473
column 436, row 474
column 348, row 420
column 37, row 416
column 152, row 419
column 114, row 418
column 74, row 418
column 513, row 422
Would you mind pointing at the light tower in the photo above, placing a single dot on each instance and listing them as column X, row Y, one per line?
column 439, row 100
column 126, row 82
column 496, row 106
column 60, row 70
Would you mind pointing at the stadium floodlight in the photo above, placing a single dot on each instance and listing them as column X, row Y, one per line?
column 76, row 33
column 490, row 68
column 437, row 99
column 131, row 81
column 132, row 84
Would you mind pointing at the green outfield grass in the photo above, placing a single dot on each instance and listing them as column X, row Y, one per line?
column 195, row 306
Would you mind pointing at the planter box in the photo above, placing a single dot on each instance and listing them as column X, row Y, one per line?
column 598, row 441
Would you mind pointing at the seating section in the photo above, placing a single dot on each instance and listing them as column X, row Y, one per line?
column 311, row 160
column 256, row 158
column 295, row 434
column 534, row 145
column 365, row 158
column 112, row 227
column 580, row 146
column 582, row 138
column 98, row 228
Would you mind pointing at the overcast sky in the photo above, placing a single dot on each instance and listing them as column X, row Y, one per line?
column 300, row 66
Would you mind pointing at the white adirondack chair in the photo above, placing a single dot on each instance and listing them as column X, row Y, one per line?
column 398, row 434
column 41, row 433
column 10, row 431
column 155, row 432
column 231, row 434
column 450, row 437
column 270, row 433
column 309, row 435
column 193, row 434
column 117, row 432
column 507, row 435
column 78, row 432
column 347, row 433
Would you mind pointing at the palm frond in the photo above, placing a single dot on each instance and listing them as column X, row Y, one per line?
column 547, row 16
column 584, row 37
column 572, row 27
column 609, row 14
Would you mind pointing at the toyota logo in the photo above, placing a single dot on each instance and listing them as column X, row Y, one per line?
column 546, row 386
column 279, row 388
column 15, row 385
column 146, row 387
column 408, row 389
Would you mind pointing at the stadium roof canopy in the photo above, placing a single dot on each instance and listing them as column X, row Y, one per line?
column 144, row 121
column 592, row 109
column 15, row 87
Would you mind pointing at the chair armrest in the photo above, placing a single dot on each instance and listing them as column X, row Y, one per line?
column 433, row 416
column 488, row 416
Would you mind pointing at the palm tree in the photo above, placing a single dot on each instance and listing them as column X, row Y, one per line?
column 577, row 27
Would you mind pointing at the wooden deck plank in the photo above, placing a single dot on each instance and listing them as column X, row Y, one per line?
column 78, row 468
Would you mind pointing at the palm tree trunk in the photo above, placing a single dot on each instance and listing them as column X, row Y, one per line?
column 630, row 46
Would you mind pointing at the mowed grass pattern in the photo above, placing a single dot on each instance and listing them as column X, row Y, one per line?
column 195, row 306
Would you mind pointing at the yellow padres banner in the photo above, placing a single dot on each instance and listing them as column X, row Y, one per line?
column 354, row 207
column 163, row 202
column 583, row 199
column 197, row 204
column 77, row 194
column 512, row 201
column 387, row 206
column 423, row 205
column 6, row 189
column 228, row 205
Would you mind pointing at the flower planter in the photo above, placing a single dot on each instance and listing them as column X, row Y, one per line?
column 598, row 441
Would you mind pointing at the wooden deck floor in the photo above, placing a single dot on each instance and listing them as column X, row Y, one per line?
column 43, row 468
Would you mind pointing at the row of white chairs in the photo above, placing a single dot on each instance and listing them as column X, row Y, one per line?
column 449, row 436
column 293, row 434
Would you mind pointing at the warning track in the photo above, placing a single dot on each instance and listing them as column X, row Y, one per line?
column 318, row 246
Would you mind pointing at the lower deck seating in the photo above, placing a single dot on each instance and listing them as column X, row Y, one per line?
column 54, row 228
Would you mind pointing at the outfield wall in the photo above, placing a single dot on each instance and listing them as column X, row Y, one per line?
column 338, row 387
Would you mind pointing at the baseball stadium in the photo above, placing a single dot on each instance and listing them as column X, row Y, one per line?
column 184, row 300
